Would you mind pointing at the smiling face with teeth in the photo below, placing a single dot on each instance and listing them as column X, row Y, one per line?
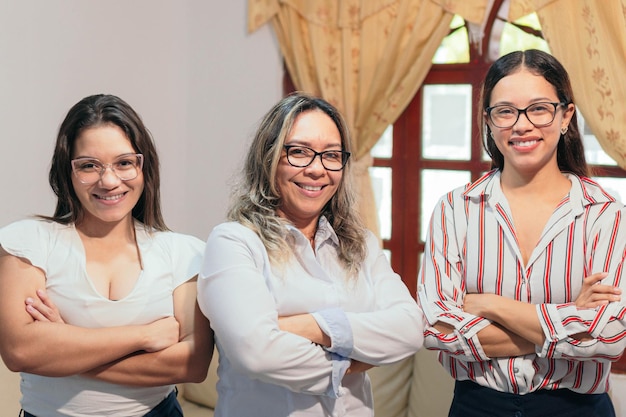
column 305, row 191
column 527, row 149
column 109, row 200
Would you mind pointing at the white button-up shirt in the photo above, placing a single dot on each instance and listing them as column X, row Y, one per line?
column 266, row 372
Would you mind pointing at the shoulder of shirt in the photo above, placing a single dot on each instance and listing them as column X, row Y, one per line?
column 38, row 223
column 166, row 235
column 591, row 191
column 234, row 229
column 480, row 187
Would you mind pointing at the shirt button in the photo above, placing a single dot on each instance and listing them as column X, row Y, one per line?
column 516, row 369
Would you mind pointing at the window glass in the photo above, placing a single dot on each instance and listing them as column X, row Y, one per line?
column 594, row 154
column 435, row 183
column 420, row 255
column 485, row 156
column 614, row 186
column 447, row 124
column 384, row 146
column 516, row 36
column 454, row 48
column 381, row 184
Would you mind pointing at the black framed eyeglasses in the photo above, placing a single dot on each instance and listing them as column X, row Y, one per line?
column 303, row 156
column 539, row 114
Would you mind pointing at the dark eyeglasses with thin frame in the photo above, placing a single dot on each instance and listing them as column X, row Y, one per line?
column 303, row 156
column 539, row 114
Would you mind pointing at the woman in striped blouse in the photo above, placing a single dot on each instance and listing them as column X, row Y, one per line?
column 522, row 271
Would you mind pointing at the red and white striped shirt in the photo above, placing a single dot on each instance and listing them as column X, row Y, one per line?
column 472, row 248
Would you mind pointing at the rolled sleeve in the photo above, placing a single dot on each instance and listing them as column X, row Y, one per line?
column 335, row 323
column 561, row 321
column 463, row 342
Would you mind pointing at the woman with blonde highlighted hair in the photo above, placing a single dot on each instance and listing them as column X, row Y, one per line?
column 300, row 296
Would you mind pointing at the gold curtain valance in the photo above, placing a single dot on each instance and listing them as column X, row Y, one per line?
column 351, row 13
column 521, row 8
column 473, row 11
column 347, row 14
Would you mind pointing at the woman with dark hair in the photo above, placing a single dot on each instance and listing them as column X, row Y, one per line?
column 522, row 273
column 94, row 111
column 98, row 302
column 300, row 296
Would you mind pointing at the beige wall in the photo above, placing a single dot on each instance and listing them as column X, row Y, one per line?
column 200, row 82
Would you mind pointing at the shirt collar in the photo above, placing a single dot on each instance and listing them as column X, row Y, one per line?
column 584, row 190
column 324, row 232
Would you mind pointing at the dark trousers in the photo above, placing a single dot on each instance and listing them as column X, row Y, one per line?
column 169, row 407
column 473, row 400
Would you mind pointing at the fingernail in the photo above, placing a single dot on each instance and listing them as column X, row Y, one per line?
column 29, row 300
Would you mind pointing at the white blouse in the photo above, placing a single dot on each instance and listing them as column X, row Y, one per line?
column 169, row 260
column 264, row 371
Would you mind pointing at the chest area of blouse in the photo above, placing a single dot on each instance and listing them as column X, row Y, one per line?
column 493, row 261
column 314, row 281
column 81, row 303
column 112, row 269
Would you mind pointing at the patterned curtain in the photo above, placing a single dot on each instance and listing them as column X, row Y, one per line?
column 589, row 38
column 366, row 57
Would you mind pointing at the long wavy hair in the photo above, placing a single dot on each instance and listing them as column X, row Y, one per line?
column 94, row 111
column 570, row 150
column 256, row 197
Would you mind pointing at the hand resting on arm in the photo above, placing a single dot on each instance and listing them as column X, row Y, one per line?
column 306, row 326
column 516, row 329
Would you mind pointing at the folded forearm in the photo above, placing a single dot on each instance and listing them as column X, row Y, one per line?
column 516, row 316
column 519, row 318
column 53, row 349
column 178, row 363
column 497, row 342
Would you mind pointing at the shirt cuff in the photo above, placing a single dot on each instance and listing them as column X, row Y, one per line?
column 340, row 367
column 334, row 322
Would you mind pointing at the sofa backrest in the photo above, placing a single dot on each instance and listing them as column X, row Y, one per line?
column 432, row 387
column 204, row 393
column 415, row 387
column 10, row 392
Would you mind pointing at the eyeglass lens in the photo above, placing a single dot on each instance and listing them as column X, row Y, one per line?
column 302, row 156
column 89, row 170
column 539, row 114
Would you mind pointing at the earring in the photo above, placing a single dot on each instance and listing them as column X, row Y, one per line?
column 563, row 130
